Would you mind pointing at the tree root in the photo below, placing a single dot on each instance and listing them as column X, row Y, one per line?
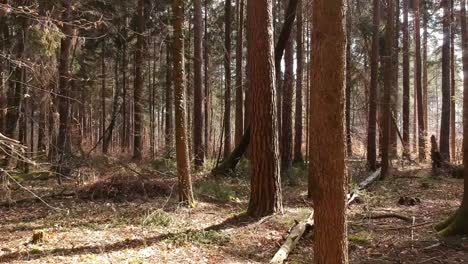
column 457, row 224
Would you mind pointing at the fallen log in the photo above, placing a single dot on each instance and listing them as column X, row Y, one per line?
column 299, row 229
column 292, row 240
column 376, row 216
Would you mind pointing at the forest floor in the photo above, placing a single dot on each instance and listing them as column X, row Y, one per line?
column 130, row 214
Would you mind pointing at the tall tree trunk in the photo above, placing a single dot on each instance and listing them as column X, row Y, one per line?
column 406, row 80
column 63, row 98
column 287, row 100
column 298, row 120
column 394, row 93
column 425, row 77
column 453, row 132
column 327, row 170
column 198, row 86
column 349, row 85
column 388, row 87
column 138, row 115
column 125, row 123
column 169, row 132
column 418, row 82
column 103, row 97
column 182, row 155
column 374, row 91
column 239, row 73
column 444, row 140
column 266, row 197
column 207, row 100
column 227, row 76
column 457, row 224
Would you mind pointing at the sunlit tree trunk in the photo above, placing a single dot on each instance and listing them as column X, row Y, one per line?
column 266, row 197
column 182, row 155
column 327, row 170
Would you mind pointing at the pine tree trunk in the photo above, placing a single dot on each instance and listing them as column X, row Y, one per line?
column 182, row 155
column 169, row 131
column 207, row 101
column 266, row 197
column 298, row 120
column 374, row 91
column 287, row 100
column 349, row 85
column 418, row 82
column 239, row 73
column 388, row 68
column 103, row 98
column 138, row 115
column 227, row 81
column 453, row 132
column 327, row 170
column 394, row 93
column 444, row 140
column 63, row 98
column 457, row 224
column 406, row 80
column 198, row 86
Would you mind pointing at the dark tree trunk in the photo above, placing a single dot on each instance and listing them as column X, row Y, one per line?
column 298, row 120
column 207, row 101
column 418, row 82
column 198, row 86
column 388, row 87
column 63, row 98
column 457, row 224
column 266, row 197
column 373, row 93
column 138, row 115
column 349, row 85
column 103, row 98
column 327, row 170
column 169, row 132
column 444, row 140
column 286, row 134
column 406, row 80
column 394, row 93
column 239, row 72
column 453, row 132
column 227, row 81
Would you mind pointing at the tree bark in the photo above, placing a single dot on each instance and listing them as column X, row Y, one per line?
column 453, row 132
column 298, row 120
column 374, row 90
column 182, row 155
column 406, row 80
column 266, row 197
column 63, row 98
column 198, row 86
column 286, row 106
column 227, row 76
column 349, row 84
column 239, row 72
column 388, row 88
column 327, row 170
column 138, row 115
column 169, row 119
column 444, row 140
column 457, row 224
column 418, row 82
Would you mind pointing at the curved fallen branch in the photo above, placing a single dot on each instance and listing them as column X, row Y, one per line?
column 299, row 229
